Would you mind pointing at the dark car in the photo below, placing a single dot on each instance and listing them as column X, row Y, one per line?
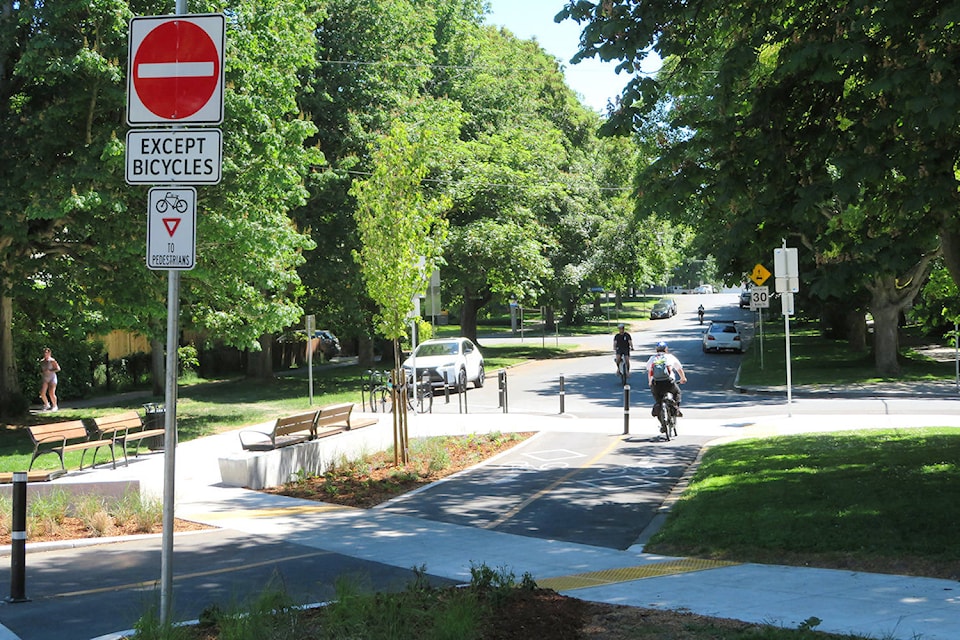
column 744, row 299
column 660, row 310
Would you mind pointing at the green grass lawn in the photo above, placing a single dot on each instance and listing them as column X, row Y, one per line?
column 819, row 361
column 885, row 500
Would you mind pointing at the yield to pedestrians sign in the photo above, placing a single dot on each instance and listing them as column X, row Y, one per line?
column 175, row 70
column 171, row 228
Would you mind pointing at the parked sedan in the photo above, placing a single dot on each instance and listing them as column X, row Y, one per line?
column 660, row 310
column 454, row 360
column 722, row 336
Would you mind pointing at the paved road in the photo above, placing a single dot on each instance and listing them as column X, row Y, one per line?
column 587, row 488
column 90, row 592
column 573, row 486
column 591, row 389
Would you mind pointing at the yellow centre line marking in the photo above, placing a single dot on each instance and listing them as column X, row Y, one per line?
column 523, row 505
column 199, row 574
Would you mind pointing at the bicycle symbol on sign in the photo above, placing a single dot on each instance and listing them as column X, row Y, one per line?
column 172, row 201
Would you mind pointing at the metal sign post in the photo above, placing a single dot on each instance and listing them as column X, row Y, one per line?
column 787, row 273
column 175, row 77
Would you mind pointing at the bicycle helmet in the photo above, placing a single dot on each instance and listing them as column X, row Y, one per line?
column 621, row 326
column 661, row 346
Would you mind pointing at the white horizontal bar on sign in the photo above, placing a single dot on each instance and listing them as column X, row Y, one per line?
column 175, row 70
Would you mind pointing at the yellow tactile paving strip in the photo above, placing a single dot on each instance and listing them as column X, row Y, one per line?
column 270, row 513
column 628, row 574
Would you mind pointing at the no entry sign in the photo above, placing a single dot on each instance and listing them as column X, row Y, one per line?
column 175, row 70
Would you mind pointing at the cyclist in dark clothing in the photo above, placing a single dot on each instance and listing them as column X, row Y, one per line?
column 622, row 345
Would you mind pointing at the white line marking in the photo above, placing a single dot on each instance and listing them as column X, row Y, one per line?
column 175, row 70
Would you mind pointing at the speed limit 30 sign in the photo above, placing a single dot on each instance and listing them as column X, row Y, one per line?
column 759, row 298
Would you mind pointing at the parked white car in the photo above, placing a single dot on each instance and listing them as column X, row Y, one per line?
column 454, row 360
column 722, row 336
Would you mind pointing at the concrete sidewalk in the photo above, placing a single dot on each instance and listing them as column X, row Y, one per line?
column 880, row 606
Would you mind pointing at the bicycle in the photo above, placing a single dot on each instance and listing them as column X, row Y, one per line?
column 380, row 394
column 623, row 368
column 420, row 395
column 668, row 416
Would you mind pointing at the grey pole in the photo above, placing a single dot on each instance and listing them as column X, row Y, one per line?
column 626, row 409
column 562, row 393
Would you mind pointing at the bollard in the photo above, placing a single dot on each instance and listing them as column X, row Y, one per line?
column 626, row 409
column 502, row 382
column 446, row 388
column 18, row 538
column 427, row 388
column 562, row 393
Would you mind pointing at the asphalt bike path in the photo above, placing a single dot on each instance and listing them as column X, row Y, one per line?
column 85, row 593
column 584, row 488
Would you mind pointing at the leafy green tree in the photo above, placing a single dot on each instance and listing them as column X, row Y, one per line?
column 66, row 212
column 830, row 124
column 374, row 57
column 402, row 231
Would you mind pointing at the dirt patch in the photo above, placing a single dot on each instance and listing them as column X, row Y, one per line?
column 71, row 528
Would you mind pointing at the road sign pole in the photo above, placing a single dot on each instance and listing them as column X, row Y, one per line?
column 760, row 315
column 170, row 433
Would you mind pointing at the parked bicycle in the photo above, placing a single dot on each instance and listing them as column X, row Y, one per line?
column 381, row 393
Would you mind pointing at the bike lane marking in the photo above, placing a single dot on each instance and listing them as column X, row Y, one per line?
column 511, row 513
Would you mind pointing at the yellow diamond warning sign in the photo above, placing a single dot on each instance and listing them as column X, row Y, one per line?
column 759, row 274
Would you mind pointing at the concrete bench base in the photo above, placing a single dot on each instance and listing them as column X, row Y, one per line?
column 266, row 469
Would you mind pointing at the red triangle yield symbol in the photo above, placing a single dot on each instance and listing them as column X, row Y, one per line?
column 171, row 224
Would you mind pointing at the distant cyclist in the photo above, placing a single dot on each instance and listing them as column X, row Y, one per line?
column 663, row 372
column 622, row 345
column 700, row 313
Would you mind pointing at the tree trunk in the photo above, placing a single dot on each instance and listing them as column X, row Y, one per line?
column 365, row 351
column 468, row 317
column 260, row 365
column 550, row 320
column 596, row 305
column 886, row 338
column 889, row 296
column 9, row 383
column 857, row 330
column 158, row 364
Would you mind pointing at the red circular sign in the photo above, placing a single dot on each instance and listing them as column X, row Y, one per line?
column 176, row 70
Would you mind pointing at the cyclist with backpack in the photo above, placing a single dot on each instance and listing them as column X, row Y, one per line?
column 663, row 370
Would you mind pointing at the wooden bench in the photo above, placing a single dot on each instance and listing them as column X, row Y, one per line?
column 285, row 431
column 126, row 428
column 63, row 437
column 335, row 418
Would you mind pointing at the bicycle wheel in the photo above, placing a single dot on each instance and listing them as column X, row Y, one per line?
column 673, row 421
column 425, row 398
column 665, row 419
column 623, row 369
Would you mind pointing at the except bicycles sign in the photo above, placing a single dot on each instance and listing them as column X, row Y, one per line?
column 171, row 228
column 175, row 70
